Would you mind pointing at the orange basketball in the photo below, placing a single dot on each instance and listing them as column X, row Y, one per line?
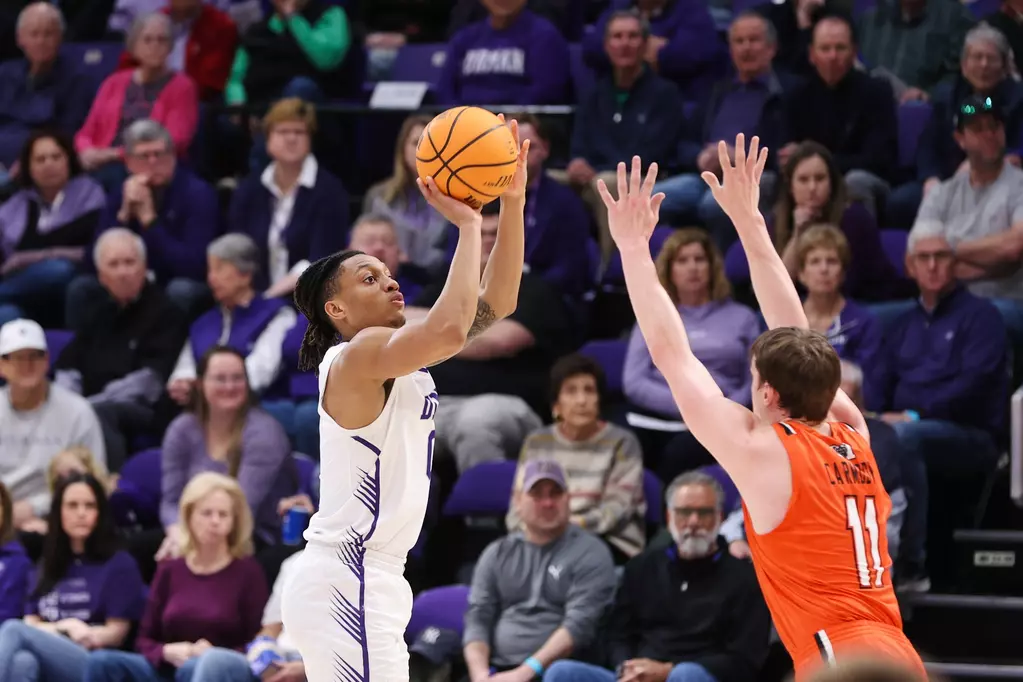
column 469, row 153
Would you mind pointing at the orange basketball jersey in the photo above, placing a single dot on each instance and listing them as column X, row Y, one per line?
column 825, row 570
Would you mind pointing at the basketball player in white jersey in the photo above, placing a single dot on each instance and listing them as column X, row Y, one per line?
column 348, row 604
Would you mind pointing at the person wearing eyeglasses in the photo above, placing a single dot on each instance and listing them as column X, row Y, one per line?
column 942, row 383
column 689, row 612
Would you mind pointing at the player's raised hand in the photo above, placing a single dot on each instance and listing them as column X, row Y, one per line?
column 634, row 215
column 457, row 212
column 738, row 192
column 517, row 188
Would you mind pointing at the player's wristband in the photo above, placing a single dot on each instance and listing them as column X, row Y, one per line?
column 534, row 665
column 913, row 415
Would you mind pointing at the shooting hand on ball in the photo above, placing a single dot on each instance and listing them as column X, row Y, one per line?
column 459, row 213
column 517, row 188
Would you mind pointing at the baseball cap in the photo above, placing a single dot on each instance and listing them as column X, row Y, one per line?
column 437, row 644
column 976, row 105
column 537, row 470
column 21, row 335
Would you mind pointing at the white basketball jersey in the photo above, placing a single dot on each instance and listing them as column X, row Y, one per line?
column 375, row 481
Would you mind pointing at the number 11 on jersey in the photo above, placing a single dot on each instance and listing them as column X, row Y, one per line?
column 866, row 533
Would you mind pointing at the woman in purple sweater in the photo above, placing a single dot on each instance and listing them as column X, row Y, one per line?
column 822, row 256
column 721, row 333
column 226, row 433
column 213, row 596
column 86, row 596
column 813, row 191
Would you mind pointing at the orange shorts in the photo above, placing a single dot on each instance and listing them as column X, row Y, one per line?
column 859, row 641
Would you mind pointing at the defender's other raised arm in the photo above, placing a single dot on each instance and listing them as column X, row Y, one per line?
column 722, row 426
column 738, row 194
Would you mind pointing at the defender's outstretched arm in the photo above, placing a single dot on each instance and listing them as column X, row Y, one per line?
column 738, row 194
column 722, row 426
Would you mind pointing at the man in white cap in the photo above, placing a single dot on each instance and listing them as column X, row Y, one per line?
column 37, row 420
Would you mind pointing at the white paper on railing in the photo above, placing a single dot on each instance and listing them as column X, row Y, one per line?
column 641, row 421
column 398, row 95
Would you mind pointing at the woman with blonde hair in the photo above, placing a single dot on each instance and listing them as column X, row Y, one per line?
column 720, row 331
column 422, row 232
column 78, row 460
column 295, row 210
column 212, row 596
column 822, row 257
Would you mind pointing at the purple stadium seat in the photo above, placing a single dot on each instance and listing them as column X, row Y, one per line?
column 56, row 341
column 307, row 473
column 441, row 607
column 894, row 244
column 136, row 501
column 981, row 9
column 861, row 6
column 912, row 119
column 303, row 385
column 653, row 491
column 583, row 77
column 97, row 60
column 731, row 493
column 419, row 63
column 736, row 265
column 610, row 355
column 614, row 276
column 482, row 490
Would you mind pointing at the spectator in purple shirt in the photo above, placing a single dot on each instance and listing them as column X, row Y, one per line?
column 86, row 596
column 511, row 57
column 45, row 226
column 224, row 432
column 813, row 191
column 557, row 222
column 174, row 211
column 750, row 101
column 684, row 46
column 943, row 385
column 212, row 597
column 721, row 332
column 822, row 257
column 15, row 566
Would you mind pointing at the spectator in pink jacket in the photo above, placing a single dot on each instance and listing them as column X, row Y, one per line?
column 150, row 91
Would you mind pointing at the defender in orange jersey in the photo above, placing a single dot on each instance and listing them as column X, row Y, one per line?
column 815, row 507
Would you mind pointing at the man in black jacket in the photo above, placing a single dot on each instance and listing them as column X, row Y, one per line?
column 126, row 346
column 847, row 111
column 687, row 613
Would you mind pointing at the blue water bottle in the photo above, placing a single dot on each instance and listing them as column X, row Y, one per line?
column 295, row 521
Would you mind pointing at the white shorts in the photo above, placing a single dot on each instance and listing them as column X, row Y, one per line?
column 348, row 620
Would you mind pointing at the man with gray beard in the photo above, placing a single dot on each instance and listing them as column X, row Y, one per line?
column 687, row 613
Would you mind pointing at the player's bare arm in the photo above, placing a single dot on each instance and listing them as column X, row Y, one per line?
column 738, row 194
column 377, row 354
column 728, row 430
column 499, row 293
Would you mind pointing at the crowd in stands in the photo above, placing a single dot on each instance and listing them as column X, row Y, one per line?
column 156, row 436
